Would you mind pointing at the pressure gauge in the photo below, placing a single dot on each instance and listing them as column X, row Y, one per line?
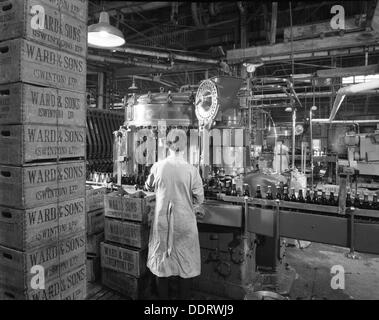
column 206, row 102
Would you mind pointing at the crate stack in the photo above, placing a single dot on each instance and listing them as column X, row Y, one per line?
column 43, row 45
column 124, row 252
column 95, row 229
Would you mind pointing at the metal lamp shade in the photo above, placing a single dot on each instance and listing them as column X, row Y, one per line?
column 103, row 34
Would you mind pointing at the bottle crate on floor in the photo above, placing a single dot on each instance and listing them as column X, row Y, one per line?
column 132, row 287
column 123, row 259
column 126, row 233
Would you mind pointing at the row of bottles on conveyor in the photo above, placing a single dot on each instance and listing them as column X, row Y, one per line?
column 100, row 177
column 316, row 197
column 320, row 197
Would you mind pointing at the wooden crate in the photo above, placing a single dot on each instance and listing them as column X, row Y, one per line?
column 26, row 61
column 61, row 31
column 95, row 197
column 71, row 286
column 22, row 144
column 93, row 244
column 75, row 8
column 132, row 287
column 22, row 103
column 127, row 233
column 127, row 208
column 57, row 259
column 38, row 185
column 127, row 260
column 93, row 268
column 95, row 221
column 26, row 229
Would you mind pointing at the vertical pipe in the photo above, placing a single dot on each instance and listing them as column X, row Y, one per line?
column 100, row 90
column 293, row 137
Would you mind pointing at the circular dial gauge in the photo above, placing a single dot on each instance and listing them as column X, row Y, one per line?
column 206, row 102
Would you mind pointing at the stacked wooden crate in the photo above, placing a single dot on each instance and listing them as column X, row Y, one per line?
column 124, row 252
column 43, row 45
column 95, row 229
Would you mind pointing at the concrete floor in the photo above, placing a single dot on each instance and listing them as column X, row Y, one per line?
column 313, row 273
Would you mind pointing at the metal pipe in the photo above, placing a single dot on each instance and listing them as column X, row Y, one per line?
column 166, row 55
column 345, row 121
column 293, row 137
column 127, row 62
column 349, row 90
column 195, row 15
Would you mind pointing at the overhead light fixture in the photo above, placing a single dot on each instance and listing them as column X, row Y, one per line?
column 103, row 34
column 133, row 86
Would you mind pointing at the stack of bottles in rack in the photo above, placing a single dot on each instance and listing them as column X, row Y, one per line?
column 42, row 150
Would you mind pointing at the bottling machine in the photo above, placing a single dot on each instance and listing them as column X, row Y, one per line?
column 246, row 214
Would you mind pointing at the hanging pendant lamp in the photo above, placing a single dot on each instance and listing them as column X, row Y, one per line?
column 103, row 34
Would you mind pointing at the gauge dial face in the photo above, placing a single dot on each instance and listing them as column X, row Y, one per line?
column 206, row 102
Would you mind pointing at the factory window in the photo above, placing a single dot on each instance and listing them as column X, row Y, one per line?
column 359, row 79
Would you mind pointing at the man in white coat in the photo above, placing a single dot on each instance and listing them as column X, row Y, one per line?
column 174, row 248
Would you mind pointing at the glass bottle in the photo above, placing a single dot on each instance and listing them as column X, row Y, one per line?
column 349, row 203
column 308, row 198
column 258, row 193
column 246, row 191
column 332, row 199
column 315, row 197
column 269, row 195
column 323, row 200
column 300, row 197
column 293, row 195
column 278, row 193
column 357, row 200
column 234, row 190
column 374, row 203
column 365, row 203
column 285, row 194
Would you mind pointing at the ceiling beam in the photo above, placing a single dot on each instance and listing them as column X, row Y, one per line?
column 357, row 39
column 349, row 71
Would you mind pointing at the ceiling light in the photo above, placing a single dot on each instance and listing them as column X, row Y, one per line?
column 103, row 34
column 133, row 86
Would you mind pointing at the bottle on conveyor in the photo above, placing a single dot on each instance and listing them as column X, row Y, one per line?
column 374, row 203
column 246, row 191
column 332, row 199
column 234, row 189
column 308, row 197
column 357, row 200
column 293, row 195
column 300, row 197
column 323, row 200
column 258, row 193
column 278, row 193
column 349, row 202
column 315, row 197
column 285, row 194
column 269, row 195
column 366, row 202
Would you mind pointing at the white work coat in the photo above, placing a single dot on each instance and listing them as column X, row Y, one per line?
column 280, row 162
column 174, row 248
